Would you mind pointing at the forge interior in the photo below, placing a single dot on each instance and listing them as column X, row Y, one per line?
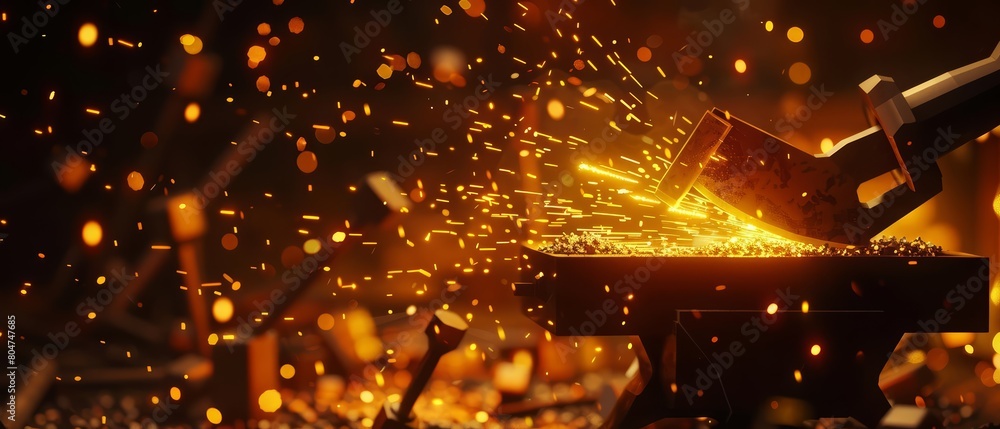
column 290, row 213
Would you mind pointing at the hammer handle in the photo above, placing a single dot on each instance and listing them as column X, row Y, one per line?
column 955, row 107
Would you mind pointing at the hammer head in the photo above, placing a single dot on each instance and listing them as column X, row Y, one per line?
column 699, row 148
column 764, row 181
column 445, row 331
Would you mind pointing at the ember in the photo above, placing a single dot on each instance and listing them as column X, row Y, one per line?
column 592, row 244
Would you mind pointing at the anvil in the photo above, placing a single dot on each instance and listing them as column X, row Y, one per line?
column 718, row 335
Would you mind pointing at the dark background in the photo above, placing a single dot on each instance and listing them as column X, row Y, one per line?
column 43, row 217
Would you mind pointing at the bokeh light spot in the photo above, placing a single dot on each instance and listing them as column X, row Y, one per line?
column 135, row 181
column 939, row 21
column 307, row 162
column 741, row 66
column 644, row 54
column 87, row 35
column 867, row 36
column 800, row 73
column 795, row 34
column 92, row 233
column 213, row 415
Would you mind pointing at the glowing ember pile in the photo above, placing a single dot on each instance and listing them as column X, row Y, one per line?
column 586, row 244
column 592, row 244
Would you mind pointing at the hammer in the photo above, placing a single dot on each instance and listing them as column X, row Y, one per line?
column 767, row 182
column 444, row 332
